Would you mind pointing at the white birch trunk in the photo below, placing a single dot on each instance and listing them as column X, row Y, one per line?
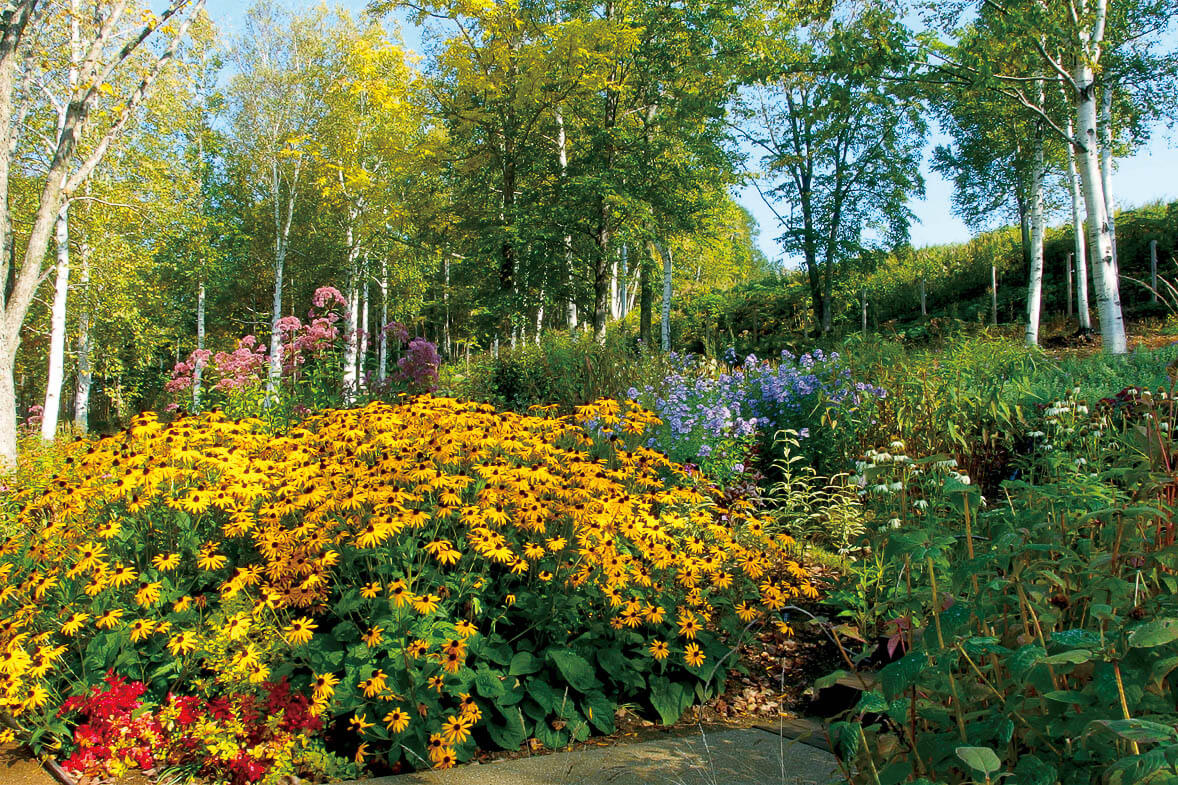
column 1100, row 250
column 351, row 318
column 85, row 379
column 623, row 298
column 1081, row 269
column 1106, row 166
column 562, row 152
column 613, row 290
column 362, row 360
column 56, row 375
column 665, row 251
column 382, row 353
column 1038, row 227
column 198, row 371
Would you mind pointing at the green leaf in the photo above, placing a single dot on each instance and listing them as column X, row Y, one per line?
column 542, row 693
column 1154, row 633
column 828, row 680
column 510, row 735
column 1030, row 770
column 982, row 760
column 1133, row 730
column 669, row 698
column 488, row 683
column 523, row 663
column 576, row 669
column 599, row 710
column 1073, row 657
column 871, row 702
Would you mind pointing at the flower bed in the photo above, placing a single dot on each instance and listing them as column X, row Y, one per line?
column 430, row 578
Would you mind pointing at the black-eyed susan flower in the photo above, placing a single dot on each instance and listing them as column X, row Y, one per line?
column 693, row 655
column 182, row 643
column 165, row 562
column 70, row 626
column 299, row 631
column 659, row 649
column 373, row 637
column 108, row 620
column 397, row 720
column 323, row 686
column 370, row 590
column 426, row 604
column 456, row 730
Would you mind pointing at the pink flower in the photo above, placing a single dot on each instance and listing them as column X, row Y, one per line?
column 326, row 296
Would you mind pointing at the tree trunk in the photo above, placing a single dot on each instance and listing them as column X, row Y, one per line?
column 446, row 336
column 362, row 360
column 645, row 299
column 1100, row 250
column 1106, row 166
column 85, row 379
column 198, row 371
column 281, row 237
column 665, row 251
column 923, row 298
column 562, row 152
column 382, row 352
column 1038, row 228
column 351, row 319
column 1153, row 271
column 601, row 277
column 1082, row 308
column 1068, row 273
column 993, row 294
column 55, row 378
column 863, row 308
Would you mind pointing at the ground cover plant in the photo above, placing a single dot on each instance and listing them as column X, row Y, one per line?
column 412, row 582
column 1028, row 630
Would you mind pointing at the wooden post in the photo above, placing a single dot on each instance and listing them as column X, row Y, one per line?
column 994, row 294
column 923, row 299
column 1153, row 270
column 1069, row 274
column 863, row 300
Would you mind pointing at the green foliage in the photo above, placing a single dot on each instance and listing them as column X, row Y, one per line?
column 1032, row 636
column 560, row 370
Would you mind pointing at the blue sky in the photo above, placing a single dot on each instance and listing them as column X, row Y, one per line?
column 1149, row 175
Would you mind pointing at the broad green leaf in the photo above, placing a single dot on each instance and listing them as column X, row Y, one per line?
column 982, row 760
column 1154, row 633
column 523, row 663
column 1133, row 730
column 576, row 669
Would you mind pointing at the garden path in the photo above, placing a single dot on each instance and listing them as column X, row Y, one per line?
column 724, row 757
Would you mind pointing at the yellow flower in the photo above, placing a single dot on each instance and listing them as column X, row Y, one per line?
column 121, row 575
column 73, row 624
column 148, row 594
column 141, row 629
column 376, row 684
column 370, row 590
column 397, row 720
column 209, row 559
column 109, row 619
column 693, row 655
column 417, row 648
column 324, row 686
column 300, row 630
column 182, row 643
column 436, row 683
column 456, row 730
column 426, row 604
column 659, row 650
column 373, row 637
column 360, row 723
column 746, row 612
column 466, row 628
column 165, row 562
column 400, row 594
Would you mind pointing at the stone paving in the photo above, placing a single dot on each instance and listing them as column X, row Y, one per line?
column 724, row 757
